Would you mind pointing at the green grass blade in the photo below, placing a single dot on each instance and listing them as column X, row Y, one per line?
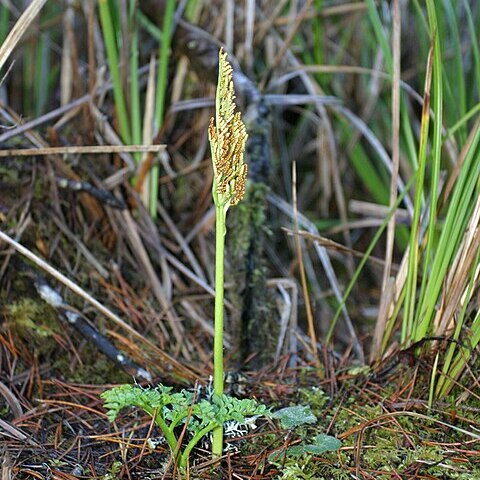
column 463, row 121
column 149, row 26
column 161, row 94
column 436, row 155
column 459, row 93
column 413, row 258
column 112, row 57
column 474, row 41
column 461, row 358
column 379, row 34
column 4, row 19
column 459, row 210
column 42, row 69
column 136, row 112
column 444, row 381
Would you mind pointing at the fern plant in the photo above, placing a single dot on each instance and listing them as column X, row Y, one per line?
column 228, row 137
column 173, row 411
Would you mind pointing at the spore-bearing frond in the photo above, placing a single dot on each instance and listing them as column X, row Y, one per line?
column 228, row 137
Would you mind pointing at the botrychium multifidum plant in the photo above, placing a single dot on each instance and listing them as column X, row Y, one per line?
column 228, row 137
column 175, row 413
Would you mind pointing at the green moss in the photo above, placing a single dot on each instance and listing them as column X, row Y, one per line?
column 315, row 397
column 35, row 323
column 254, row 326
column 95, row 368
column 378, row 443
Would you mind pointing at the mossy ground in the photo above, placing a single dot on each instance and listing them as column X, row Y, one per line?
column 384, row 439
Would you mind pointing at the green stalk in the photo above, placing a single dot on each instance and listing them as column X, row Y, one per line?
column 217, row 445
column 112, row 56
column 183, row 459
column 412, row 272
column 422, row 324
column 161, row 94
column 169, row 435
column 42, row 69
column 163, row 62
column 134, row 86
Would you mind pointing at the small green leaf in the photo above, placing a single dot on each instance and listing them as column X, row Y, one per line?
column 133, row 396
column 291, row 417
column 173, row 409
column 323, row 443
column 327, row 442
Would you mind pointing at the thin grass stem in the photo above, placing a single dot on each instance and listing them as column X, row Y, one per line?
column 436, row 160
column 112, row 56
column 161, row 94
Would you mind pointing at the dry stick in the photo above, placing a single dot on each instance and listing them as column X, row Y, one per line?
column 68, row 283
column 19, row 29
column 249, row 33
column 45, row 118
column 29, row 152
column 348, row 69
column 387, row 283
column 87, row 330
column 95, row 303
column 310, row 321
column 142, row 186
column 12, row 431
column 269, row 19
column 12, row 401
column 229, row 23
column 333, row 11
column 332, row 245
column 66, row 73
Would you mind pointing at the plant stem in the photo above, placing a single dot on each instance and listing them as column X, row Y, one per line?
column 183, row 459
column 217, row 445
column 162, row 78
column 167, row 432
column 112, row 57
column 134, row 86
